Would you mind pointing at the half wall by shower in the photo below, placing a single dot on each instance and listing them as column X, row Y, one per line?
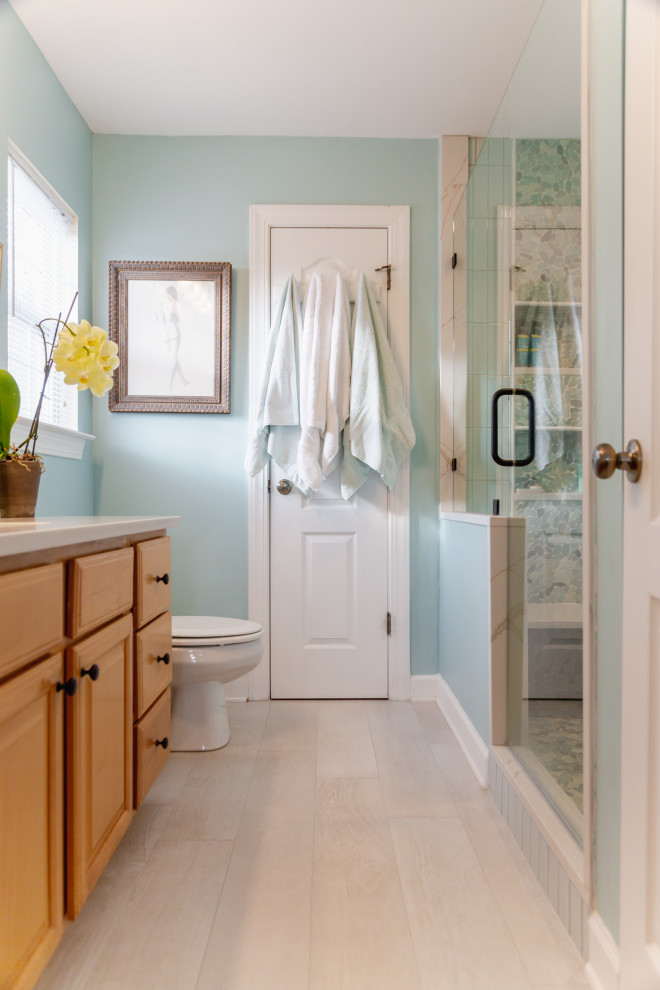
column 518, row 418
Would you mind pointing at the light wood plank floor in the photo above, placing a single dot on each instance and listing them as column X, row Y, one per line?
column 334, row 845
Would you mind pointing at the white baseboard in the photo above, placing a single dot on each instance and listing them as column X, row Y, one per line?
column 433, row 686
column 473, row 746
column 602, row 969
column 424, row 687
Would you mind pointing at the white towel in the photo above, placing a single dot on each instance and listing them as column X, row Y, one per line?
column 324, row 376
column 276, row 433
column 379, row 434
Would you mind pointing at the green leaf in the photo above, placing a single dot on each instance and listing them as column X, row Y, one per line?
column 10, row 401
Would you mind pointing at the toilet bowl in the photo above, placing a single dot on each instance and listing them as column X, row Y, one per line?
column 207, row 652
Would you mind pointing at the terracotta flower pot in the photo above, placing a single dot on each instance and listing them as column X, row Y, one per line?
column 19, row 487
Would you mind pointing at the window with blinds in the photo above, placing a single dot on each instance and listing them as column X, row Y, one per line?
column 42, row 270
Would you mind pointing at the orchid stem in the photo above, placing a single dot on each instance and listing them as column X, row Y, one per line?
column 48, row 355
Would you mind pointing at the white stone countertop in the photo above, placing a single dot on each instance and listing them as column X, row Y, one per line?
column 46, row 532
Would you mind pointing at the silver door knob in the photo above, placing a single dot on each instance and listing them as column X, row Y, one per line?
column 605, row 461
column 284, row 487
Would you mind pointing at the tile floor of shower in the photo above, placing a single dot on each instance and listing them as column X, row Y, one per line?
column 552, row 752
column 330, row 846
column 551, row 743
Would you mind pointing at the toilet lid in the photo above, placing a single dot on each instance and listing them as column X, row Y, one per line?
column 210, row 629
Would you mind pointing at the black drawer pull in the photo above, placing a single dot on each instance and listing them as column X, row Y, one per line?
column 164, row 659
column 163, row 742
column 165, row 578
column 70, row 687
column 92, row 672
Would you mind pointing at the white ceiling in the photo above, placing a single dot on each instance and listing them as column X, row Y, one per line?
column 350, row 68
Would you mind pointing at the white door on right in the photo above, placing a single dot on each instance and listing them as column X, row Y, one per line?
column 640, row 777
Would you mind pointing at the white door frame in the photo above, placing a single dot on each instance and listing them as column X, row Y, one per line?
column 640, row 774
column 397, row 220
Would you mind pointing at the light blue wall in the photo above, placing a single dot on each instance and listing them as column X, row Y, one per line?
column 37, row 115
column 464, row 623
column 180, row 199
column 606, row 45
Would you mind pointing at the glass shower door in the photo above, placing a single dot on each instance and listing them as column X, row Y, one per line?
column 518, row 382
column 545, row 726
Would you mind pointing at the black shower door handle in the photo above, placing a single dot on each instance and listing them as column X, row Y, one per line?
column 494, row 428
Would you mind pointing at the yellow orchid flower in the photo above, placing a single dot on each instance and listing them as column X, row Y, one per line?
column 84, row 355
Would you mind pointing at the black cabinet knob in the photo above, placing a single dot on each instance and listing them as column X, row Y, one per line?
column 71, row 686
column 92, row 672
column 164, row 659
column 165, row 578
column 163, row 742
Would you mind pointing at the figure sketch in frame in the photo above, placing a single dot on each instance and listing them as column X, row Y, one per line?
column 171, row 337
column 169, row 314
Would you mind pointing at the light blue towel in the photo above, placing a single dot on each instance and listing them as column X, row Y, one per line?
column 276, row 432
column 379, row 434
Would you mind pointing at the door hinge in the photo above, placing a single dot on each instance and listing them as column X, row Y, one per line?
column 454, row 464
column 389, row 623
column 269, row 486
column 454, row 260
column 388, row 269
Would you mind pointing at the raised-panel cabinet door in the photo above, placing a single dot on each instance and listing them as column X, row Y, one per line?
column 31, row 820
column 99, row 755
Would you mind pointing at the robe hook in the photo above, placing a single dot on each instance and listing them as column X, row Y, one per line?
column 388, row 269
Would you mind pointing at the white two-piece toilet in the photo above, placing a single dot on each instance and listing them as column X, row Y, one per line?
column 208, row 652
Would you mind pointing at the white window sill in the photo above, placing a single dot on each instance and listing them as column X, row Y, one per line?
column 54, row 440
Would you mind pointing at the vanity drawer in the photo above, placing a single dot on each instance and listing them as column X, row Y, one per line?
column 152, row 575
column 100, row 588
column 31, row 614
column 153, row 727
column 152, row 675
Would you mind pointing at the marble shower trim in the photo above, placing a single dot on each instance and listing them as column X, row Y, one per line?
column 506, row 604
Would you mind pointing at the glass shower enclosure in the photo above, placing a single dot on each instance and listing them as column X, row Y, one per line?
column 518, row 394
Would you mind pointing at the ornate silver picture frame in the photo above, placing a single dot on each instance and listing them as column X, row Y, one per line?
column 172, row 323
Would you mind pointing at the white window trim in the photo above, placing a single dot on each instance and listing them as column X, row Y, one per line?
column 54, row 440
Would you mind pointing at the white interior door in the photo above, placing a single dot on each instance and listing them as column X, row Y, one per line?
column 640, row 790
column 328, row 556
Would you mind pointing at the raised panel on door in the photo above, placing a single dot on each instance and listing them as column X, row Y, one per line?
column 31, row 820
column 328, row 574
column 99, row 755
column 329, row 593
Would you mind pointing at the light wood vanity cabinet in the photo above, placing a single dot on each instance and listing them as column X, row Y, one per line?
column 100, row 588
column 152, row 580
column 37, row 596
column 153, row 662
column 84, row 696
column 32, row 820
column 99, row 755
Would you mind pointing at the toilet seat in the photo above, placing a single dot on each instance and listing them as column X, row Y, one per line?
column 213, row 630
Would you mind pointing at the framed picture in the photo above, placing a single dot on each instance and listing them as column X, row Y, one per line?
column 172, row 323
